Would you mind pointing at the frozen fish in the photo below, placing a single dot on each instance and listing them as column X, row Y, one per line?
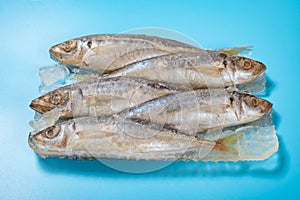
column 108, row 52
column 203, row 69
column 117, row 138
column 102, row 96
column 202, row 110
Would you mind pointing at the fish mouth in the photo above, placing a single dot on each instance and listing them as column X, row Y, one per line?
column 260, row 68
column 31, row 143
column 263, row 66
column 36, row 147
column 54, row 58
column 54, row 54
column 31, row 140
column 39, row 107
column 267, row 107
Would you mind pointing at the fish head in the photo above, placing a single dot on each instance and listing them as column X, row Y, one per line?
column 51, row 100
column 69, row 52
column 245, row 69
column 52, row 138
column 249, row 107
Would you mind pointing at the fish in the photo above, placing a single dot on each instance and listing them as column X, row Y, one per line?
column 159, row 59
column 203, row 69
column 108, row 52
column 101, row 96
column 201, row 111
column 118, row 138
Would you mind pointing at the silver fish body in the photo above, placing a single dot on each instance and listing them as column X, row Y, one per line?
column 108, row 137
column 102, row 96
column 202, row 110
column 108, row 52
column 204, row 69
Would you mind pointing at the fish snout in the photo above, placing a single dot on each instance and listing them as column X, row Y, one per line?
column 39, row 106
column 266, row 106
column 259, row 68
column 55, row 53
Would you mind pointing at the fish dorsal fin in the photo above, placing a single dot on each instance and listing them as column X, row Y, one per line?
column 243, row 50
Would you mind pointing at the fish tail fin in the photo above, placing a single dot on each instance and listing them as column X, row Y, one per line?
column 227, row 144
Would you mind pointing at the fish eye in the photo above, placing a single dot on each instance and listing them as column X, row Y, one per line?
column 56, row 98
column 246, row 65
column 254, row 102
column 51, row 132
column 223, row 55
column 69, row 46
column 89, row 44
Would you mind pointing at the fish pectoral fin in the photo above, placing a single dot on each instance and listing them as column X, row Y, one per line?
column 243, row 50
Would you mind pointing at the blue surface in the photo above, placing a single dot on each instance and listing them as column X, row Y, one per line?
column 29, row 28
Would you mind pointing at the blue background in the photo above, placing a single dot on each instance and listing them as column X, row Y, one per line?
column 29, row 28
